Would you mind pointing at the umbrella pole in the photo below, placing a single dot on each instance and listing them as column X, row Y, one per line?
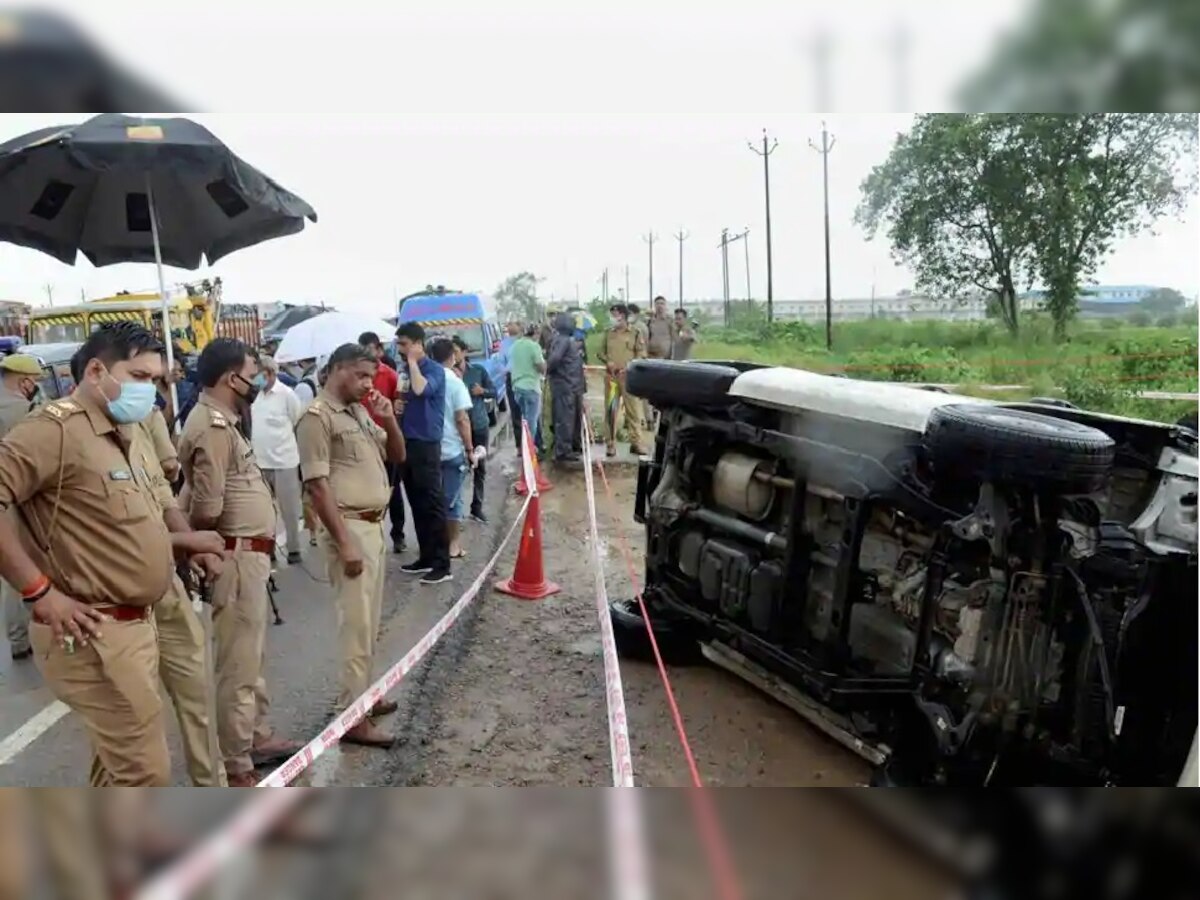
column 162, row 293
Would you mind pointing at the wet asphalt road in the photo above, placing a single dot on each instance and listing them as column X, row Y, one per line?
column 40, row 747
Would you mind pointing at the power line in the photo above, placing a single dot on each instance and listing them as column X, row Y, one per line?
column 650, row 239
column 827, row 143
column 765, row 153
column 681, row 236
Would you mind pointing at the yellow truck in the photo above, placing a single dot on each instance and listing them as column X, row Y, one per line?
column 195, row 316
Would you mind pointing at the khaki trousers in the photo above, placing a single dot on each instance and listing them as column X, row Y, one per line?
column 633, row 414
column 183, row 666
column 112, row 684
column 240, row 607
column 14, row 843
column 359, row 601
column 76, row 849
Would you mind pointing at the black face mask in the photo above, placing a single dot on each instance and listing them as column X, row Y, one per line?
column 251, row 391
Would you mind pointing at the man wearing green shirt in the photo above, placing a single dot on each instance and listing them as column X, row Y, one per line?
column 526, row 365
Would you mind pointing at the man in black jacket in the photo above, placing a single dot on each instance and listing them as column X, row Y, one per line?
column 564, row 370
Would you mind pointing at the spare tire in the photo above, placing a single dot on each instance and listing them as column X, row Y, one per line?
column 996, row 443
column 666, row 383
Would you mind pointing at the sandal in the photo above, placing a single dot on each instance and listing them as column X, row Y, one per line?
column 461, row 554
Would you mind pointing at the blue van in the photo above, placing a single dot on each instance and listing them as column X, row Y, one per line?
column 472, row 317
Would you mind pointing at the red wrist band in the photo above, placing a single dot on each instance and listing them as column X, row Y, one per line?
column 40, row 586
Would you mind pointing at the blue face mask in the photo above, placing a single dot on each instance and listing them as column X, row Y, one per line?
column 134, row 403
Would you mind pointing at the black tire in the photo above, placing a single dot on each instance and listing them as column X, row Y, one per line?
column 996, row 443
column 629, row 634
column 666, row 383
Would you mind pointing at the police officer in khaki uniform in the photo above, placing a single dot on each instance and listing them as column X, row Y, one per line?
column 342, row 456
column 225, row 491
column 19, row 376
column 622, row 345
column 182, row 643
column 94, row 555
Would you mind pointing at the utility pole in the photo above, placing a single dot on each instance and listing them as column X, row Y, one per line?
column 50, row 294
column 726, row 240
column 625, row 299
column 746, row 247
column 827, row 143
column 725, row 272
column 765, row 153
column 681, row 236
column 650, row 239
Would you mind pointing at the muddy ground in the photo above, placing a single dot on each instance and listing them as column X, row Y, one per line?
column 525, row 705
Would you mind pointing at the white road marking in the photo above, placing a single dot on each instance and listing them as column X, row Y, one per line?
column 33, row 729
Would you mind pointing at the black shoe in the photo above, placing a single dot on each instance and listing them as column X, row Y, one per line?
column 22, row 654
column 479, row 517
column 416, row 568
column 294, row 558
column 399, row 546
column 437, row 577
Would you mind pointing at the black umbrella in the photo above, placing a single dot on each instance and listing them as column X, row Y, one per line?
column 135, row 189
column 90, row 188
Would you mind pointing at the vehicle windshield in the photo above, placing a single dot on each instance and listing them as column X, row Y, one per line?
column 43, row 332
column 470, row 332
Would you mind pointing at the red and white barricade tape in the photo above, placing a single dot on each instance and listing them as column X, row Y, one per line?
column 357, row 710
column 257, row 816
column 627, row 850
column 618, row 726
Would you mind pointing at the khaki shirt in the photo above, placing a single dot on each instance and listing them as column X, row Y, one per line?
column 341, row 443
column 223, row 479
column 13, row 408
column 660, row 334
column 155, row 427
column 143, row 451
column 89, row 514
column 684, row 338
column 621, row 347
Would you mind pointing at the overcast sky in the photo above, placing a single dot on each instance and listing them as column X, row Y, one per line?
column 568, row 157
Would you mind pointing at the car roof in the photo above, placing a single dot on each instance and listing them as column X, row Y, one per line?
column 51, row 353
column 444, row 307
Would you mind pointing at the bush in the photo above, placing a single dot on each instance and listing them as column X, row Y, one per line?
column 913, row 363
column 1085, row 391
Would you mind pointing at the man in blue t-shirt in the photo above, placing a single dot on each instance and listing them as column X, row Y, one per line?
column 421, row 421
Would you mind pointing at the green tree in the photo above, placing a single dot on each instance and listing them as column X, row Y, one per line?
column 1091, row 56
column 517, row 298
column 1093, row 179
column 1163, row 300
column 951, row 197
column 992, row 202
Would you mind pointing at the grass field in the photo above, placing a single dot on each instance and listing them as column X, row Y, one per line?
column 1102, row 366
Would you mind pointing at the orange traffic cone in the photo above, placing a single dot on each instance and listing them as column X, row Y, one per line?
column 528, row 581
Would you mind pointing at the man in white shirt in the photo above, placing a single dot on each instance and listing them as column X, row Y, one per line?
column 274, row 415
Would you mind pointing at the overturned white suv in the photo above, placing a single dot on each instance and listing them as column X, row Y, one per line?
column 963, row 592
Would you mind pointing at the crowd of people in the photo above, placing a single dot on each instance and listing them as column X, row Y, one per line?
column 151, row 493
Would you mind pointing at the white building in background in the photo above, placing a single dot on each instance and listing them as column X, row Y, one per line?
column 903, row 306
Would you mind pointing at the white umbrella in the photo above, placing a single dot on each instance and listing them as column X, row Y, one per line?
column 321, row 335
